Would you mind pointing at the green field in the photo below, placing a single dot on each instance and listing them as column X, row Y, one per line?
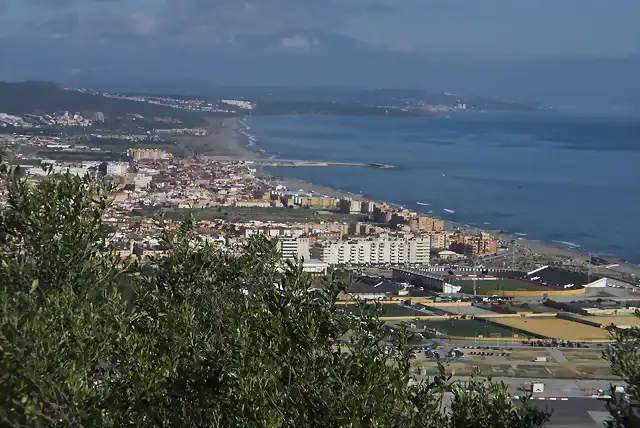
column 498, row 285
column 388, row 310
column 463, row 327
column 239, row 214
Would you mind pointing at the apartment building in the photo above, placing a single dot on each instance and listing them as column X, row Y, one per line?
column 473, row 245
column 350, row 206
column 375, row 251
column 294, row 248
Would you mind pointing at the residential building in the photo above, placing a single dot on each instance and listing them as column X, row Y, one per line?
column 375, row 251
column 294, row 248
column 473, row 245
column 367, row 207
column 117, row 168
column 350, row 206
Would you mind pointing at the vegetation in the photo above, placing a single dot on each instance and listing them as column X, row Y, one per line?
column 34, row 97
column 200, row 338
column 625, row 362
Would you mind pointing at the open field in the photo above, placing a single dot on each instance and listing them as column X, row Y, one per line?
column 624, row 320
column 556, row 328
column 498, row 285
column 274, row 214
column 582, row 356
column 463, row 327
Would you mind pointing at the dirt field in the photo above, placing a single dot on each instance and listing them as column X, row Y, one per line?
column 555, row 328
column 625, row 320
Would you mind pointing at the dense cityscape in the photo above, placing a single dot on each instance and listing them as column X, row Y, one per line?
column 483, row 299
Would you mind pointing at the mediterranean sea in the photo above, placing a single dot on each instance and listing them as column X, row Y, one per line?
column 560, row 178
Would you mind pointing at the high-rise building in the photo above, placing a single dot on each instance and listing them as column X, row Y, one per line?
column 294, row 248
column 367, row 207
column 350, row 206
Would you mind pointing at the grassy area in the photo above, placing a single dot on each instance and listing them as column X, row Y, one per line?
column 387, row 310
column 498, row 285
column 583, row 356
column 463, row 327
column 274, row 214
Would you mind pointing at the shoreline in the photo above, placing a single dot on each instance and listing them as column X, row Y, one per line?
column 245, row 149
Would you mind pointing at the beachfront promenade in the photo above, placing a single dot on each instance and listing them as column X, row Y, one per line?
column 304, row 163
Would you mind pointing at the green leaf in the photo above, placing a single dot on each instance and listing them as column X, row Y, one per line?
column 34, row 285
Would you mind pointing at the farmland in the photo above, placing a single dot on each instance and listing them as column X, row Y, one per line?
column 555, row 328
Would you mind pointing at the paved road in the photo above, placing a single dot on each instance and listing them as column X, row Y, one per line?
column 558, row 355
column 575, row 413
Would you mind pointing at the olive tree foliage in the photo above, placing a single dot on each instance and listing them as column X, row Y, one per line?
column 198, row 338
column 625, row 363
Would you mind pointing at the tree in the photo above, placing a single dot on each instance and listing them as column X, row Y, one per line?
column 199, row 338
column 625, row 363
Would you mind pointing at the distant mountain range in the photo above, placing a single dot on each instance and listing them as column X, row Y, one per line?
column 321, row 59
column 32, row 97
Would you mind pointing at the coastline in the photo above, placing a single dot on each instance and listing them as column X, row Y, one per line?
column 235, row 137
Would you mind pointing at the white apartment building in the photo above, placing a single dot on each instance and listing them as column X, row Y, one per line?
column 117, row 168
column 294, row 248
column 375, row 251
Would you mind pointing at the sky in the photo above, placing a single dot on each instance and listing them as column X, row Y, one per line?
column 553, row 51
column 479, row 27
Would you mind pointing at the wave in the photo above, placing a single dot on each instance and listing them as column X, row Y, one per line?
column 449, row 211
column 521, row 234
column 567, row 243
column 423, row 203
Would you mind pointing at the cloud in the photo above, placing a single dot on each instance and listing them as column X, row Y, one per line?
column 199, row 19
column 56, row 4
column 254, row 16
column 108, row 25
column 297, row 42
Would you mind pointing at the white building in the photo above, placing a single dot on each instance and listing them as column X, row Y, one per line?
column 376, row 251
column 117, row 168
column 294, row 248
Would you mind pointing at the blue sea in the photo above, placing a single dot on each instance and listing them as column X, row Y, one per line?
column 569, row 179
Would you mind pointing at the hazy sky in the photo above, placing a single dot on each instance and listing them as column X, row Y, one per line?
column 496, row 27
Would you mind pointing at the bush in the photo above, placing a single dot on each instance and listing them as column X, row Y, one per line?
column 199, row 338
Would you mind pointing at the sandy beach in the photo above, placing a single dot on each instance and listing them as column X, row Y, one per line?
column 224, row 141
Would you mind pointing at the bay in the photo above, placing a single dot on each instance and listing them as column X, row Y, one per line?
column 551, row 177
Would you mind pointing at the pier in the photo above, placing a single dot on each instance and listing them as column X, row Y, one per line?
column 288, row 163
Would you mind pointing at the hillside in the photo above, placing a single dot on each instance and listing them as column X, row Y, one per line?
column 39, row 97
